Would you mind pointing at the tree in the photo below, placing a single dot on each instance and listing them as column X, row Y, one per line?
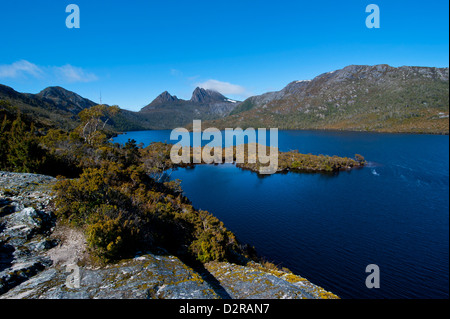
column 131, row 151
column 157, row 162
column 24, row 153
column 3, row 142
column 360, row 159
column 93, row 123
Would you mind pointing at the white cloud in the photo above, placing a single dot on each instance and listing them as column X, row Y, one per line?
column 20, row 68
column 71, row 73
column 225, row 88
column 65, row 73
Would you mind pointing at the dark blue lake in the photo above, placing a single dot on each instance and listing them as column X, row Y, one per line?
column 327, row 228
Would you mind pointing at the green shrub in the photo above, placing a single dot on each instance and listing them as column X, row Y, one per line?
column 123, row 209
column 107, row 237
column 19, row 147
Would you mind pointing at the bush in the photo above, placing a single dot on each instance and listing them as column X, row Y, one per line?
column 108, row 237
column 124, row 210
column 19, row 147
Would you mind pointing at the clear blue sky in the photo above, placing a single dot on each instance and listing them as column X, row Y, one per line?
column 131, row 51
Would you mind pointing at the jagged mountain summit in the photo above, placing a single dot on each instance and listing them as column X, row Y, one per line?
column 168, row 112
column 199, row 97
column 162, row 100
column 207, row 96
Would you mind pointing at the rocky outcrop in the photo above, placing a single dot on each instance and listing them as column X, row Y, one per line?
column 254, row 281
column 146, row 276
column 26, row 221
column 42, row 259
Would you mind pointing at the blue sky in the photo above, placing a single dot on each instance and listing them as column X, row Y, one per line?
column 132, row 51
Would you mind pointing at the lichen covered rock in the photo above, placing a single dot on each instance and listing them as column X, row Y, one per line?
column 146, row 276
column 254, row 281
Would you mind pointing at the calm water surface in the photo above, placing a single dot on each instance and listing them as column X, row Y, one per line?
column 328, row 228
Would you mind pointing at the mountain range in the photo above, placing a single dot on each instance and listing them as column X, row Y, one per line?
column 52, row 107
column 58, row 107
column 357, row 97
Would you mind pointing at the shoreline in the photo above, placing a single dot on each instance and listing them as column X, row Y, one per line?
column 447, row 133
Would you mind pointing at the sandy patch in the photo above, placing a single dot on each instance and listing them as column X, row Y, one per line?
column 72, row 249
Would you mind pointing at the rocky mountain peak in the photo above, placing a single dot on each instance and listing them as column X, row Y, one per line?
column 161, row 100
column 165, row 97
column 171, row 112
column 201, row 95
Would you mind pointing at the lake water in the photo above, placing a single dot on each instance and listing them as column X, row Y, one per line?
column 327, row 228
